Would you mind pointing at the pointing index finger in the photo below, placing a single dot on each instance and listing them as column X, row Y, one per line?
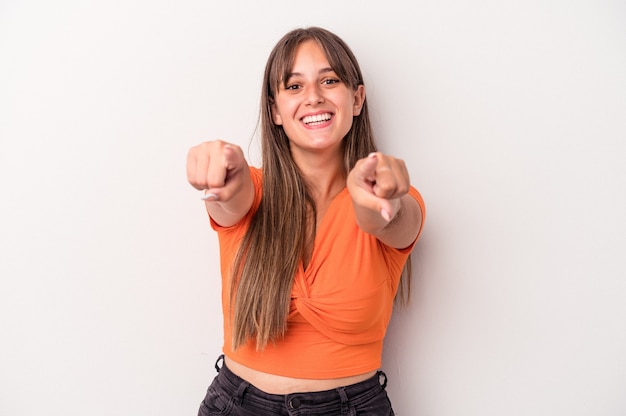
column 368, row 167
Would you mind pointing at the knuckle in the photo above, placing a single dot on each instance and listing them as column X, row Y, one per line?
column 215, row 183
column 385, row 189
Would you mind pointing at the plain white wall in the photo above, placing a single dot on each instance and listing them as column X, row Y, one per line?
column 510, row 115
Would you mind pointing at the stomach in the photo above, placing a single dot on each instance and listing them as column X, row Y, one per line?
column 275, row 384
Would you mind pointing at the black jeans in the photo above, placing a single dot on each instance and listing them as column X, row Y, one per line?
column 230, row 395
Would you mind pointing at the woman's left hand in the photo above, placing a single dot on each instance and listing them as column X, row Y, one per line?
column 377, row 183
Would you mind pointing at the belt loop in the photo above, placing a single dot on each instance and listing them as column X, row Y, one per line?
column 241, row 390
column 382, row 376
column 345, row 404
column 218, row 367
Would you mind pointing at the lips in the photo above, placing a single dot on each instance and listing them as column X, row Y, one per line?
column 316, row 119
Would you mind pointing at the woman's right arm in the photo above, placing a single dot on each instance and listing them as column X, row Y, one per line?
column 221, row 170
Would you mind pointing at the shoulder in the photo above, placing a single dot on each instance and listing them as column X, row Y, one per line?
column 256, row 174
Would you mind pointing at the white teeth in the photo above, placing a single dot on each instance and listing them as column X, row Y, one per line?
column 316, row 118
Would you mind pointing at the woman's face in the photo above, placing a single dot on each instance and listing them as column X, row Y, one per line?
column 314, row 107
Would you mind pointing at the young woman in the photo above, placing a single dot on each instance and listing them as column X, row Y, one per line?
column 312, row 245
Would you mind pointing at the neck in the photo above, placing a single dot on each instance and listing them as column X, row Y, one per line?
column 326, row 178
column 325, row 174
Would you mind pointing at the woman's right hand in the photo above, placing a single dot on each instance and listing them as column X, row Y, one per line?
column 221, row 171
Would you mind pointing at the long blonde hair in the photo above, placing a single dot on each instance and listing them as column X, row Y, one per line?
column 275, row 242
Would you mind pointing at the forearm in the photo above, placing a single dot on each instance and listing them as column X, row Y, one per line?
column 402, row 227
column 232, row 210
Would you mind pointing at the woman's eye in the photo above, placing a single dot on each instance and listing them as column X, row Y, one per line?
column 292, row 87
column 331, row 81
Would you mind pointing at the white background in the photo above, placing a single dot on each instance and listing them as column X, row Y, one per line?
column 510, row 115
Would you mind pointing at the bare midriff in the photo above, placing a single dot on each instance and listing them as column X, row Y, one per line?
column 275, row 384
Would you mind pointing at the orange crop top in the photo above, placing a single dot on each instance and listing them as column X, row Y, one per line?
column 341, row 304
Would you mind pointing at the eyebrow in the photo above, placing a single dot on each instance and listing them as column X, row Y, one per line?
column 298, row 74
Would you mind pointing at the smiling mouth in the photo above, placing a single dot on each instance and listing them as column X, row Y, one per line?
column 316, row 119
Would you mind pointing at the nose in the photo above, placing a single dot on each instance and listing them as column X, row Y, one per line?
column 314, row 95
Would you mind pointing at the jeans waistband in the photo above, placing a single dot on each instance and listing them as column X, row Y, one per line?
column 239, row 388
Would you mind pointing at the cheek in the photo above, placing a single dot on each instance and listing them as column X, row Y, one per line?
column 284, row 111
column 278, row 110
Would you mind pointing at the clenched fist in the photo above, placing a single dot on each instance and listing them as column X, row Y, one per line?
column 221, row 170
column 218, row 168
column 377, row 182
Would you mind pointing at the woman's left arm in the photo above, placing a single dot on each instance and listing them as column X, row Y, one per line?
column 379, row 186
